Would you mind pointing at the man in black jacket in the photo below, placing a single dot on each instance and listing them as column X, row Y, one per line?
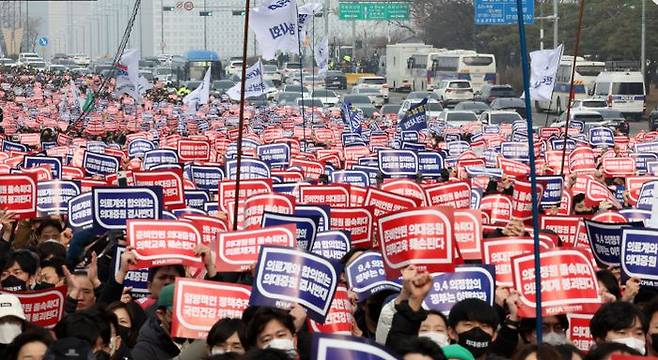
column 154, row 341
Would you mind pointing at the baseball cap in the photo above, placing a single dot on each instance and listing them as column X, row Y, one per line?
column 166, row 298
column 457, row 352
column 11, row 306
column 69, row 348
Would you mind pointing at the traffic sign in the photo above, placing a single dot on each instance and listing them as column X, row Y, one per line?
column 373, row 11
column 42, row 41
column 502, row 12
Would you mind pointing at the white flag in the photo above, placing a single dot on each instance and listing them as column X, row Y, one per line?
column 253, row 86
column 543, row 67
column 76, row 95
column 305, row 15
column 322, row 56
column 274, row 24
column 201, row 94
column 128, row 80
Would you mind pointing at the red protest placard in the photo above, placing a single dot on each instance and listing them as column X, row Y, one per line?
column 247, row 189
column 405, row 187
column 72, row 173
column 385, row 202
column 42, row 173
column 547, row 132
column 467, row 231
column 422, row 237
column 43, row 308
column 357, row 195
column 256, row 205
column 579, row 333
column 339, row 319
column 582, row 158
column 497, row 208
column 358, row 221
column 163, row 242
column 18, row 193
column 171, row 181
column 238, row 250
column 311, row 169
column 454, row 194
column 631, row 357
column 193, row 150
column 514, row 168
column 522, row 200
column 598, row 192
column 610, row 217
column 334, row 195
column 208, row 226
column 568, row 283
column 499, row 251
column 199, row 304
column 565, row 226
column 619, row 166
column 288, row 176
column 565, row 203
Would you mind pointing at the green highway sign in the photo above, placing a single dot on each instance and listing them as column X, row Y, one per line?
column 373, row 11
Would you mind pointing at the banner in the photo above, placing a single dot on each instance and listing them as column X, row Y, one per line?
column 285, row 276
column 397, row 162
column 336, row 196
column 579, row 331
column 254, row 85
column 158, row 157
column 113, row 206
column 80, row 211
column 430, row 163
column 43, row 308
column 639, row 254
column 543, row 67
column 385, row 202
column 339, row 319
column 422, row 237
column 274, row 154
column 208, row 226
column 247, row 188
column 238, row 250
column 329, row 347
column 256, row 205
column 522, row 200
column 193, row 150
column 332, row 245
column 249, row 169
column 54, row 163
column 53, row 196
column 139, row 147
column 601, row 137
column 552, row 194
column 99, row 164
column 199, row 304
column 196, row 199
column 351, row 177
column 467, row 231
column 464, row 283
column 496, row 208
column 171, row 182
column 566, row 227
column 453, row 194
column 499, row 251
column 136, row 279
column 201, row 94
column 274, row 24
column 18, row 194
column 605, row 241
column 163, row 242
column 515, row 151
column 415, row 118
column 321, row 212
column 307, row 228
column 357, row 221
column 568, row 283
column 404, row 187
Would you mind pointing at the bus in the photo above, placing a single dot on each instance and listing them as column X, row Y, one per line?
column 193, row 65
column 584, row 77
column 469, row 65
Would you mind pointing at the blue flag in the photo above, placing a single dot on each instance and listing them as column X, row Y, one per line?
column 415, row 118
column 352, row 118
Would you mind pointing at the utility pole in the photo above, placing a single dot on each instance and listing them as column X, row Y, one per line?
column 555, row 23
column 327, row 4
column 642, row 50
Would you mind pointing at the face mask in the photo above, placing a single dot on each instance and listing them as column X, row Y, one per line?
column 124, row 332
column 476, row 341
column 12, row 283
column 440, row 339
column 9, row 331
column 43, row 285
column 654, row 342
column 633, row 343
column 555, row 339
column 283, row 344
column 217, row 351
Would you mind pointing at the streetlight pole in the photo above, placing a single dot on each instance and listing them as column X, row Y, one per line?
column 205, row 40
column 555, row 23
column 643, row 50
column 162, row 43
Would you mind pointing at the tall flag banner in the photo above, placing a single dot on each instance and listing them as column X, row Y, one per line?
column 353, row 118
column 415, row 119
column 254, row 84
column 543, row 66
column 306, row 13
column 201, row 94
column 128, row 80
column 275, row 26
column 322, row 56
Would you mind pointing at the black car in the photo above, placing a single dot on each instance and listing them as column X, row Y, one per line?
column 489, row 92
column 335, row 79
column 509, row 103
column 653, row 119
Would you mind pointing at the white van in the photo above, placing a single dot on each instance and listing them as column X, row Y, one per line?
column 623, row 90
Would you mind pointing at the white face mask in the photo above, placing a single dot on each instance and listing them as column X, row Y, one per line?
column 217, row 351
column 286, row 345
column 440, row 339
column 633, row 343
column 555, row 339
column 9, row 331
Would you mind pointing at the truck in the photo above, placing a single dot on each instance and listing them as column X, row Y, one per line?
column 399, row 69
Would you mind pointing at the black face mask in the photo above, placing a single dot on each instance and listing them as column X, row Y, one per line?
column 476, row 341
column 43, row 285
column 124, row 332
column 654, row 342
column 12, row 283
column 102, row 355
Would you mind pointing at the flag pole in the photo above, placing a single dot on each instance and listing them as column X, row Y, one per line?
column 301, row 76
column 573, row 73
column 241, row 120
column 313, row 73
column 533, row 170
